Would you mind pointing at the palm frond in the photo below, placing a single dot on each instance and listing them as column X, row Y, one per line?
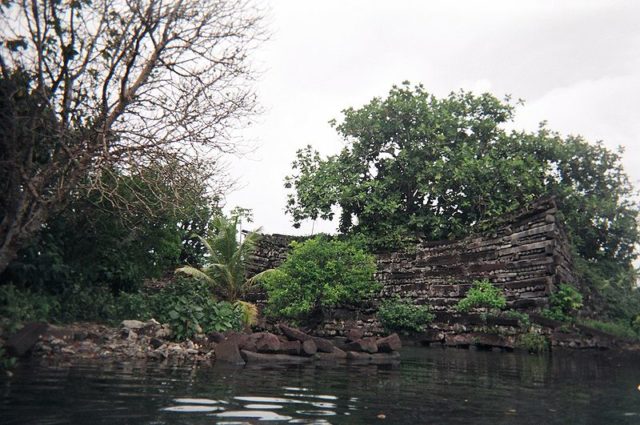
column 195, row 273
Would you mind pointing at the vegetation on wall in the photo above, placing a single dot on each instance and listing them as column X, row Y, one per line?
column 482, row 295
column 397, row 315
column 319, row 273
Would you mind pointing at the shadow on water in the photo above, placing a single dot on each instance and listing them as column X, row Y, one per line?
column 430, row 386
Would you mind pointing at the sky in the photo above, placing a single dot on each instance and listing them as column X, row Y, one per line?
column 575, row 63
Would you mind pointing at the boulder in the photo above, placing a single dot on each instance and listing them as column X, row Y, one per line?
column 290, row 347
column 309, row 348
column 335, row 355
column 216, row 337
column 133, row 324
column 389, row 343
column 364, row 345
column 267, row 343
column 228, row 352
column 251, row 357
column 20, row 343
column 324, row 345
column 293, row 334
column 354, row 334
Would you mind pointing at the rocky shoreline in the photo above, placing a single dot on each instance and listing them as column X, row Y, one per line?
column 151, row 340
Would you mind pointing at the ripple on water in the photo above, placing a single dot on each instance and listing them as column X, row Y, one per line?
column 198, row 401
column 261, row 415
column 262, row 406
column 191, row 409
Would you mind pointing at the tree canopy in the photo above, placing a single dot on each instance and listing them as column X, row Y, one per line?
column 418, row 166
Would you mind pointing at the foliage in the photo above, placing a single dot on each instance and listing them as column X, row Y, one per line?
column 319, row 273
column 482, row 295
column 184, row 304
column 418, row 166
column 17, row 307
column 95, row 244
column 523, row 318
column 619, row 329
column 6, row 361
column 563, row 303
column 225, row 270
column 248, row 313
column 533, row 342
column 190, row 309
column 403, row 316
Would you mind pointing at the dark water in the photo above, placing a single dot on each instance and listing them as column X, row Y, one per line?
column 430, row 386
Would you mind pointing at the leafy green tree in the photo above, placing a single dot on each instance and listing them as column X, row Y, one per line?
column 482, row 295
column 225, row 268
column 319, row 274
column 418, row 166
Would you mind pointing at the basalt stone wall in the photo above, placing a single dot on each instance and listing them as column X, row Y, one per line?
column 526, row 255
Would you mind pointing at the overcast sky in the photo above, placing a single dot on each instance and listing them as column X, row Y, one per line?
column 575, row 63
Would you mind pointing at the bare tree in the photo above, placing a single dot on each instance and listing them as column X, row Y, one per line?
column 91, row 86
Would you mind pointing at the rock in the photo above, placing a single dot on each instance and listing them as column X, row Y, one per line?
column 336, row 355
column 20, row 343
column 290, row 347
column 354, row 334
column 389, row 343
column 309, row 348
column 156, row 342
column 365, row 345
column 216, row 337
column 80, row 335
column 294, row 334
column 268, row 343
column 164, row 332
column 324, row 345
column 67, row 350
column 228, row 352
column 251, row 357
column 459, row 340
column 129, row 334
column 132, row 324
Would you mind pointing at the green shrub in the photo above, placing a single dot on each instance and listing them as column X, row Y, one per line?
column 20, row 306
column 619, row 329
column 402, row 316
column 188, row 307
column 523, row 318
column 564, row 303
column 533, row 342
column 482, row 295
column 318, row 274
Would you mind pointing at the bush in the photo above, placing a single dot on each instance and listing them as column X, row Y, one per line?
column 482, row 295
column 20, row 306
column 189, row 308
column 523, row 318
column 402, row 316
column 185, row 305
column 533, row 342
column 319, row 273
column 564, row 303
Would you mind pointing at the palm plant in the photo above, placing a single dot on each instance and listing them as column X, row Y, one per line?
column 227, row 258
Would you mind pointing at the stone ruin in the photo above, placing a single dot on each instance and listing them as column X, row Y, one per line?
column 526, row 255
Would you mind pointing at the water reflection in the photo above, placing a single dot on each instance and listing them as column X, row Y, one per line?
column 429, row 386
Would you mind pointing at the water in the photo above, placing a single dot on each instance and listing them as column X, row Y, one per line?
column 430, row 386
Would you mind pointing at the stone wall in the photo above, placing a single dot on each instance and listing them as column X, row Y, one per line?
column 526, row 255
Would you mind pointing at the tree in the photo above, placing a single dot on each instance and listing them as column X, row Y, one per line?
column 225, row 268
column 92, row 87
column 416, row 166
